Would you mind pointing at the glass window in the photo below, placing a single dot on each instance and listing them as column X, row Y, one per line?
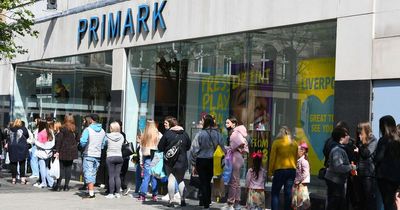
column 79, row 85
column 266, row 79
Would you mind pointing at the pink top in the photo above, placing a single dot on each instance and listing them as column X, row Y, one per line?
column 42, row 136
column 252, row 182
column 302, row 171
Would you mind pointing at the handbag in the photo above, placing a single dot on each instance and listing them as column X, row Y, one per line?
column 127, row 149
column 321, row 173
column 300, row 197
column 55, row 169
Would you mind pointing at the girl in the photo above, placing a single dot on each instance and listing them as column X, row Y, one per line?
column 282, row 165
column 148, row 143
column 255, row 182
column 302, row 178
column 44, row 152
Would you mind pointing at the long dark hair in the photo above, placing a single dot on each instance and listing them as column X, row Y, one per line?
column 256, row 166
column 44, row 125
column 208, row 121
column 388, row 129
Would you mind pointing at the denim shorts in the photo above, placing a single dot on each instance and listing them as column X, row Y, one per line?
column 90, row 166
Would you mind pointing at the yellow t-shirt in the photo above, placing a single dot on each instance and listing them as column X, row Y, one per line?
column 283, row 155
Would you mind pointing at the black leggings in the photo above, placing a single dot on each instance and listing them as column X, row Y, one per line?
column 14, row 169
column 388, row 192
column 124, row 169
column 114, row 165
column 65, row 172
column 204, row 168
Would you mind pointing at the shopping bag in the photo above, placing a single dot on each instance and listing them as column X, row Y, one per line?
column 227, row 172
column 156, row 165
column 218, row 160
column 55, row 169
column 300, row 197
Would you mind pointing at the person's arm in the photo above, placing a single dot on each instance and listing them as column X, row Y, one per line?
column 162, row 144
column 84, row 138
column 221, row 142
column 189, row 143
column 272, row 157
column 194, row 149
column 337, row 162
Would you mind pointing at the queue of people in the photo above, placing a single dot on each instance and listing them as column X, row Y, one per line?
column 363, row 173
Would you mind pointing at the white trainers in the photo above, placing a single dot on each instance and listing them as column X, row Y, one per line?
column 118, row 195
column 126, row 191
column 33, row 177
column 177, row 196
column 165, row 197
column 109, row 196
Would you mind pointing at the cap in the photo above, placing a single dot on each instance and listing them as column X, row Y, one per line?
column 304, row 145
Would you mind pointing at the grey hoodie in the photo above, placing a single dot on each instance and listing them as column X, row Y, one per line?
column 114, row 143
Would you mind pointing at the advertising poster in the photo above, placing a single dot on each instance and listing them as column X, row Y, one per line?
column 315, row 123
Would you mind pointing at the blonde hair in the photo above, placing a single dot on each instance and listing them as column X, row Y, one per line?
column 57, row 126
column 150, row 135
column 114, row 127
column 284, row 131
column 17, row 123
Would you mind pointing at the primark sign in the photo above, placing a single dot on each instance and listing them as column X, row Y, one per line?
column 115, row 25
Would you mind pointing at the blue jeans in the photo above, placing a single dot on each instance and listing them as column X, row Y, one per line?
column 285, row 178
column 147, row 178
column 34, row 162
column 90, row 166
column 138, row 178
column 47, row 180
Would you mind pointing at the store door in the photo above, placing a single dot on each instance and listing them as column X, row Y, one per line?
column 383, row 91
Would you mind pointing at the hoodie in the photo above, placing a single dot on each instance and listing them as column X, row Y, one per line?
column 93, row 140
column 238, row 138
column 114, row 143
column 169, row 139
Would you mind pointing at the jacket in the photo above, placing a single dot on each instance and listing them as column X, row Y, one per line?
column 386, row 161
column 114, row 143
column 93, row 140
column 67, row 144
column 338, row 165
column 169, row 139
column 252, row 182
column 45, row 150
column 366, row 165
column 18, row 147
column 283, row 155
column 238, row 138
column 302, row 171
column 204, row 144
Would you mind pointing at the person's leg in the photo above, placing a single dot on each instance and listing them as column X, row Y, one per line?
column 43, row 172
column 111, row 175
column 277, row 183
column 124, row 170
column 171, row 186
column 146, row 177
column 34, row 162
column 200, row 167
column 138, row 178
column 62, row 173
column 388, row 191
column 290, row 174
column 22, row 173
column 90, row 166
column 49, row 179
column 68, row 172
column 118, row 165
column 13, row 167
column 368, row 193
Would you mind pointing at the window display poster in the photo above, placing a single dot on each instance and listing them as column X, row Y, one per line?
column 315, row 84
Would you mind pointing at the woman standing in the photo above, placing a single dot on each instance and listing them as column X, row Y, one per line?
column 366, row 166
column 238, row 146
column 114, row 141
column 175, row 136
column 148, row 145
column 66, row 150
column 338, row 170
column 44, row 152
column 282, row 165
column 201, row 152
column 387, row 161
column 18, row 150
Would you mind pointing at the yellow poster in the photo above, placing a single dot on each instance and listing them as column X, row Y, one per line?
column 315, row 83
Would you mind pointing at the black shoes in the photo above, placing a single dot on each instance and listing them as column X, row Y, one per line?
column 89, row 196
column 183, row 203
column 66, row 188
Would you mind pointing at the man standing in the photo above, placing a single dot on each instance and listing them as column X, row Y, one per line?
column 92, row 141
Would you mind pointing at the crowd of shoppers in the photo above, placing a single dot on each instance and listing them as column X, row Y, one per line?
column 358, row 171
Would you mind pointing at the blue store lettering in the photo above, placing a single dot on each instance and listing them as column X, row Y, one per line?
column 112, row 24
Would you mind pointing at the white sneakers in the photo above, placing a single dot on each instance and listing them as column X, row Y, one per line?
column 111, row 196
column 177, row 197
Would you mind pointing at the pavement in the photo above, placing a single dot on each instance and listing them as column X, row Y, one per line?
column 20, row 197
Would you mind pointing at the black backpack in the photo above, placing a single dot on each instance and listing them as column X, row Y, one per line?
column 172, row 154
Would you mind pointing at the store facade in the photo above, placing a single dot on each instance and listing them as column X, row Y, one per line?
column 268, row 63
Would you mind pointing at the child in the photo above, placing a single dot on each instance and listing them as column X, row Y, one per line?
column 301, row 199
column 255, row 182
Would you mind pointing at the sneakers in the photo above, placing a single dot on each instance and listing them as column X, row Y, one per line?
column 154, row 198
column 141, row 198
column 227, row 207
column 89, row 197
column 126, row 191
column 165, row 197
column 177, row 197
column 117, row 195
column 33, row 177
column 109, row 196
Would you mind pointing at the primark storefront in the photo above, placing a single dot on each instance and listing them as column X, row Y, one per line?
column 268, row 63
